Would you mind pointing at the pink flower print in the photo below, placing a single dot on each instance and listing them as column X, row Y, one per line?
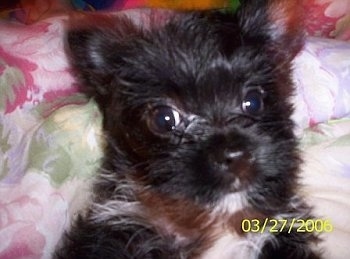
column 32, row 216
column 20, row 81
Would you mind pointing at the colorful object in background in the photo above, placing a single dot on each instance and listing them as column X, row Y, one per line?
column 326, row 18
column 30, row 11
column 183, row 4
column 90, row 5
column 172, row 4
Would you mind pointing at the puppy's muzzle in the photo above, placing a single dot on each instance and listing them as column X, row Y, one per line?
column 230, row 156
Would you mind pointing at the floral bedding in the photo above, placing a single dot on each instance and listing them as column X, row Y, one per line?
column 50, row 137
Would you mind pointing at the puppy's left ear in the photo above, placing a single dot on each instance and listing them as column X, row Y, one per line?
column 98, row 47
column 276, row 23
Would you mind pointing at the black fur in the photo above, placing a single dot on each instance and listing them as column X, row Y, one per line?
column 224, row 82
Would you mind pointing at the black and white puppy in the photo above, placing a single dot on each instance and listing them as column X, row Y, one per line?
column 198, row 135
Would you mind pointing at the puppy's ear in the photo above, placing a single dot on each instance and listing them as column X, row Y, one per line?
column 278, row 24
column 96, row 46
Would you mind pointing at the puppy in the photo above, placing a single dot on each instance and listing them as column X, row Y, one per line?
column 198, row 134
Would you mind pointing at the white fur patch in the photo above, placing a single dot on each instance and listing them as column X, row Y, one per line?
column 95, row 55
column 230, row 203
column 113, row 210
column 228, row 244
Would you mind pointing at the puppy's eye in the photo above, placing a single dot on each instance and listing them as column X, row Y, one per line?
column 164, row 119
column 253, row 102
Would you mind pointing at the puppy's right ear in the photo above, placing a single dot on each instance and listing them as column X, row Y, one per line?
column 96, row 46
column 277, row 24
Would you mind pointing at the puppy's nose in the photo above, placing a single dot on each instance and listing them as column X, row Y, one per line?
column 231, row 160
column 230, row 156
column 228, row 160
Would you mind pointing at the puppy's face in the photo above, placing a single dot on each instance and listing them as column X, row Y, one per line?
column 196, row 106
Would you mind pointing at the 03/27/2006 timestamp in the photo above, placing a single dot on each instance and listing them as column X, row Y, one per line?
column 286, row 225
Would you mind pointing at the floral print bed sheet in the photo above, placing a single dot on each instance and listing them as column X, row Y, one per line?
column 50, row 136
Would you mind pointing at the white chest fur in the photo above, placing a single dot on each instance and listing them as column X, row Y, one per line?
column 228, row 244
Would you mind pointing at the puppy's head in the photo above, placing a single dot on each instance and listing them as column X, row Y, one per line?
column 196, row 104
